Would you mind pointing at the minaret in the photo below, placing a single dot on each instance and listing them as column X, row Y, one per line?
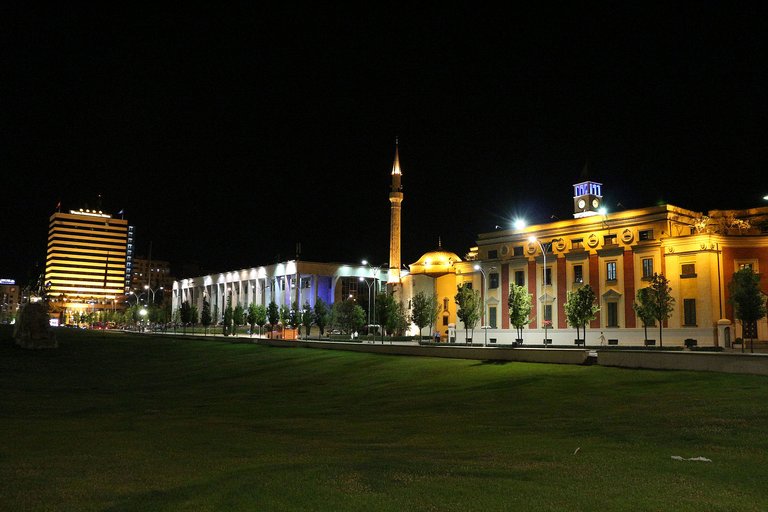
column 396, row 199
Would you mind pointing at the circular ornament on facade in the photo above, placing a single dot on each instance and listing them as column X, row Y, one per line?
column 627, row 235
column 531, row 247
column 582, row 203
column 592, row 240
column 670, row 249
column 560, row 245
column 504, row 250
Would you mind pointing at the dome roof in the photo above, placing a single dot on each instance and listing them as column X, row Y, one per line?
column 436, row 263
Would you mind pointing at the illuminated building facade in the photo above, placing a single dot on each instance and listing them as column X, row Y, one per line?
column 155, row 274
column 616, row 254
column 283, row 283
column 85, row 266
column 10, row 296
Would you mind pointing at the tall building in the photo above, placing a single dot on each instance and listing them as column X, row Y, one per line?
column 9, row 300
column 155, row 274
column 396, row 200
column 86, row 262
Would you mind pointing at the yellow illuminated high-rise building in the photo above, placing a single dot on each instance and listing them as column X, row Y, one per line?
column 85, row 268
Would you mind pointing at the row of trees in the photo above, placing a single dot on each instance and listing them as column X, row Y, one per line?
column 653, row 305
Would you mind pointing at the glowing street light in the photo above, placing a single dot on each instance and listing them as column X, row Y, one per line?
column 375, row 271
column 519, row 224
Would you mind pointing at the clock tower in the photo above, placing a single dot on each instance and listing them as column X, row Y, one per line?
column 587, row 199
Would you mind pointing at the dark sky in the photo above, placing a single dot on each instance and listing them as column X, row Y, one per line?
column 228, row 135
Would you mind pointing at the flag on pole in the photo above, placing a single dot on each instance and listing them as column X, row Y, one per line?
column 58, row 206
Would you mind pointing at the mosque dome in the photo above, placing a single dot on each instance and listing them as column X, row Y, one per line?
column 436, row 263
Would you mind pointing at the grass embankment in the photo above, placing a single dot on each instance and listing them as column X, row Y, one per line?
column 121, row 422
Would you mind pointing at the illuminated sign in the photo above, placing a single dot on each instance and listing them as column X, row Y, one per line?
column 7, row 281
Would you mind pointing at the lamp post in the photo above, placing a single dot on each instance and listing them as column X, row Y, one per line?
column 544, row 247
column 364, row 280
column 375, row 271
column 146, row 287
column 484, row 327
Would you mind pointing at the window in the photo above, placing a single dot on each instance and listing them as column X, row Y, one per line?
column 445, row 320
column 548, row 312
column 519, row 278
column 647, row 268
column 492, row 317
column 493, row 280
column 548, row 276
column 610, row 271
column 689, row 312
column 688, row 270
column 577, row 243
column 445, row 304
column 609, row 240
column 646, row 234
column 613, row 314
column 493, row 254
column 742, row 266
column 518, row 251
column 578, row 274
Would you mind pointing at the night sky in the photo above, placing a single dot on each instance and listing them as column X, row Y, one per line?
column 229, row 135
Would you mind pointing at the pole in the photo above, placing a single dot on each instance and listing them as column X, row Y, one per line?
column 544, row 289
column 485, row 298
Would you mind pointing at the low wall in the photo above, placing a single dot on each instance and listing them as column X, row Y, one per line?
column 531, row 355
column 699, row 361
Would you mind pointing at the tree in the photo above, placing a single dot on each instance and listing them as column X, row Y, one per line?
column 273, row 314
column 643, row 308
column 216, row 314
column 397, row 319
column 307, row 317
column 284, row 313
column 520, row 306
column 185, row 313
column 294, row 317
column 238, row 318
column 347, row 315
column 748, row 301
column 205, row 317
column 580, row 308
column 228, row 314
column 420, row 311
column 257, row 315
column 661, row 302
column 322, row 315
column 470, row 306
column 194, row 315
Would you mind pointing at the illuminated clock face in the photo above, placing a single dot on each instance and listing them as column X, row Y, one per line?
column 595, row 203
column 581, row 203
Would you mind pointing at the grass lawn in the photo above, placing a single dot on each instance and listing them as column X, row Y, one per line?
column 111, row 421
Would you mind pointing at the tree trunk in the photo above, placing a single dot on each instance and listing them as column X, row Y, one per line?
column 661, row 326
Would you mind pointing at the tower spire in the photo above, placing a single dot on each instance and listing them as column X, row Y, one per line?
column 395, row 200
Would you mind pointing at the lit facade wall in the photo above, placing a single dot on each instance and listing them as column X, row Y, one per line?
column 86, row 261
column 10, row 296
column 283, row 283
column 616, row 254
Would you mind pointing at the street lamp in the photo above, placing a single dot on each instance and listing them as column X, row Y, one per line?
column 146, row 287
column 364, row 280
column 485, row 299
column 544, row 248
column 143, row 313
column 376, row 272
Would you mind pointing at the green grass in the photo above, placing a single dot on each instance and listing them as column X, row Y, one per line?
column 120, row 422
